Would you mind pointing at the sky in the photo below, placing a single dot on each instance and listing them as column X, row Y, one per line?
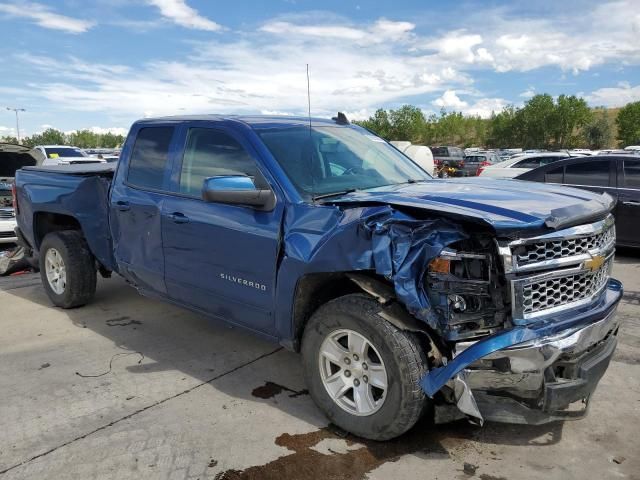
column 102, row 64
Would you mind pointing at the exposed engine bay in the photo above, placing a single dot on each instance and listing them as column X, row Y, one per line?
column 467, row 288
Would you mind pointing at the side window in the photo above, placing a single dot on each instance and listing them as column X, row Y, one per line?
column 210, row 153
column 149, row 157
column 548, row 160
column 631, row 173
column 588, row 173
column 527, row 163
column 554, row 176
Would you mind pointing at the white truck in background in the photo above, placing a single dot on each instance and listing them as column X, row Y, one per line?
column 418, row 153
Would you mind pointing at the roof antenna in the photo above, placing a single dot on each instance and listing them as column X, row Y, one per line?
column 309, row 98
column 313, row 183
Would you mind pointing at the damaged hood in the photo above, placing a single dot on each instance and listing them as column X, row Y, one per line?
column 501, row 203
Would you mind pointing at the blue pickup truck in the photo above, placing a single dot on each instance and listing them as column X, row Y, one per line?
column 478, row 298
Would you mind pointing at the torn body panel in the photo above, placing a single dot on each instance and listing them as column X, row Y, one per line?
column 534, row 374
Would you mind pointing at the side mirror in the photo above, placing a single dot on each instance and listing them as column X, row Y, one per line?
column 237, row 190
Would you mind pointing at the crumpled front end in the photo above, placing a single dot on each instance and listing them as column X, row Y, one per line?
column 563, row 333
column 548, row 378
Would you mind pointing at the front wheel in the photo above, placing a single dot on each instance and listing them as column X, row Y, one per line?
column 362, row 371
column 67, row 269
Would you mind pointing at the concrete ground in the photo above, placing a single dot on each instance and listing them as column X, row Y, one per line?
column 133, row 388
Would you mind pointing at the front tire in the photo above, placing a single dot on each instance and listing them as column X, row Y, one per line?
column 67, row 269
column 362, row 371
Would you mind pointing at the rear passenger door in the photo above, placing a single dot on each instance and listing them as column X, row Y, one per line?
column 138, row 192
column 628, row 207
column 220, row 258
column 589, row 174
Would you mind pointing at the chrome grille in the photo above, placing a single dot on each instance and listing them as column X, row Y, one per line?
column 554, row 292
column 7, row 213
column 560, row 270
column 554, row 249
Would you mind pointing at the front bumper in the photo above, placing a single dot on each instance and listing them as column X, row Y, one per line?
column 541, row 374
column 7, row 233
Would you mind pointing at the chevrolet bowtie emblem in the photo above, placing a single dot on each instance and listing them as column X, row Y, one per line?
column 594, row 263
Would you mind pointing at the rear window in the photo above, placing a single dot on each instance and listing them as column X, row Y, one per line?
column 149, row 157
column 631, row 173
column 56, row 152
column 440, row 151
column 594, row 174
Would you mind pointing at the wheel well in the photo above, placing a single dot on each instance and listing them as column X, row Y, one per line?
column 314, row 290
column 46, row 222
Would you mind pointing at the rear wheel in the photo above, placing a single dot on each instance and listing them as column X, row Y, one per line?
column 67, row 269
column 362, row 371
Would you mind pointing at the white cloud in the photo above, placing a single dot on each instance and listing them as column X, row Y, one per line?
column 381, row 30
column 528, row 93
column 458, row 45
column 449, row 100
column 238, row 77
column 483, row 107
column 102, row 130
column 486, row 106
column 182, row 14
column 44, row 16
column 334, row 31
column 614, row 96
column 355, row 68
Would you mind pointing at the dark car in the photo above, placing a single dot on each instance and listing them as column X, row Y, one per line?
column 452, row 157
column 618, row 175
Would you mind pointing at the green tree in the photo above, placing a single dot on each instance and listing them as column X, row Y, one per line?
column 9, row 139
column 50, row 136
column 378, row 123
column 407, row 123
column 111, row 140
column 84, row 139
column 539, row 121
column 628, row 122
column 597, row 134
column 571, row 113
column 504, row 128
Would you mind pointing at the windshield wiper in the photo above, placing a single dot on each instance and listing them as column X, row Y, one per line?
column 411, row 180
column 334, row 194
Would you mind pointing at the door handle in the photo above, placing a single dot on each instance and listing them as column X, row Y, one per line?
column 178, row 217
column 631, row 203
column 123, row 206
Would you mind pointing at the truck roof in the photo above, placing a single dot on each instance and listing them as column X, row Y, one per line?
column 254, row 121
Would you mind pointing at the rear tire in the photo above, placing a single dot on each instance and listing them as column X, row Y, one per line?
column 67, row 269
column 339, row 387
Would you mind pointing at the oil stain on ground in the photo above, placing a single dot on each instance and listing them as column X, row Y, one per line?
column 271, row 389
column 305, row 462
column 122, row 322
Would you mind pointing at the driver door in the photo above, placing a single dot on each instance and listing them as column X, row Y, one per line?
column 220, row 258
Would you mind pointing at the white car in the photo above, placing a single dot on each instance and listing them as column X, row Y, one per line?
column 62, row 155
column 519, row 164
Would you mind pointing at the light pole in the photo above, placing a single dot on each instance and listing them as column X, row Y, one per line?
column 17, row 120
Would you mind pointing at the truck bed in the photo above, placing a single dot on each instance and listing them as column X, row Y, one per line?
column 64, row 196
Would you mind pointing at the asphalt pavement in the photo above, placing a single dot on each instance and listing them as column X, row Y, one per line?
column 129, row 387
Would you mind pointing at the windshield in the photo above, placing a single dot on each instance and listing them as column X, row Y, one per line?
column 327, row 160
column 57, row 152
